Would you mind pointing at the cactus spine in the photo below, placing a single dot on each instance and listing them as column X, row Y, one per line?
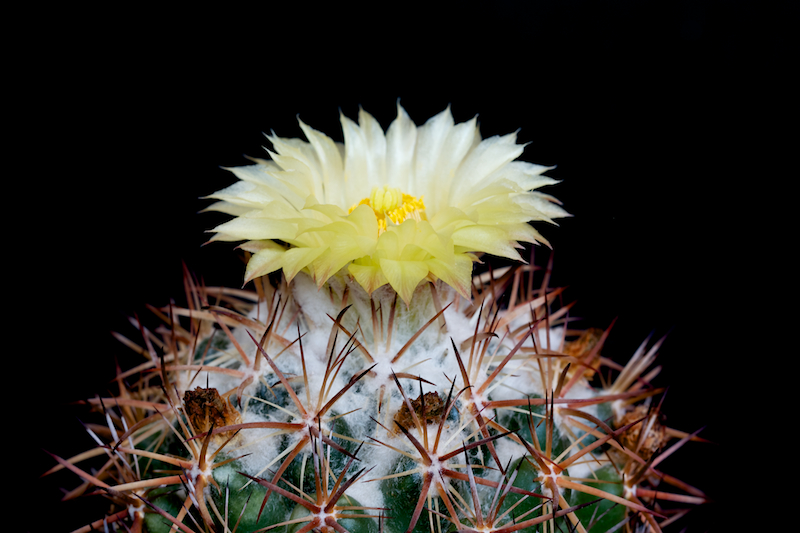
column 335, row 410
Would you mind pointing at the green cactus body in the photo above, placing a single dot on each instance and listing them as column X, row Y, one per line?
column 399, row 442
column 520, row 422
column 168, row 501
column 304, row 462
column 520, row 507
column 402, row 493
column 606, row 513
column 243, row 500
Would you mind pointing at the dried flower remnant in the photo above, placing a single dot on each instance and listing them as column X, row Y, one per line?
column 205, row 409
column 432, row 405
column 645, row 439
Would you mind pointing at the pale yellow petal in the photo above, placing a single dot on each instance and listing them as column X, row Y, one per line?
column 540, row 207
column 329, row 168
column 297, row 173
column 296, row 259
column 457, row 274
column 446, row 221
column 441, row 150
column 401, row 138
column 244, row 193
column 404, row 276
column 375, row 143
column 363, row 218
column 431, row 136
column 369, row 276
column 264, row 178
column 435, row 244
column 527, row 175
column 487, row 239
column 331, row 212
column 342, row 250
column 264, row 262
column 227, row 208
column 245, row 228
column 256, row 246
column 483, row 160
column 524, row 232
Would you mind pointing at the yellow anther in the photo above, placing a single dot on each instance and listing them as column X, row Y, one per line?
column 392, row 203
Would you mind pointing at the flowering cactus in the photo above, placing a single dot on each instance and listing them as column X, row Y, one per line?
column 369, row 381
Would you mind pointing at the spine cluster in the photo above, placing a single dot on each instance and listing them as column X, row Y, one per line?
column 294, row 409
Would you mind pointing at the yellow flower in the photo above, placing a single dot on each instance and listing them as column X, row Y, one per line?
column 412, row 204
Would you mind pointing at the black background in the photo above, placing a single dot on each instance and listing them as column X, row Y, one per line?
column 651, row 111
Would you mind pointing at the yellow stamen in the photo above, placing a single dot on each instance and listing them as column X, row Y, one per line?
column 392, row 203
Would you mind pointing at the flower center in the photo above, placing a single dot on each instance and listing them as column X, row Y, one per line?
column 393, row 204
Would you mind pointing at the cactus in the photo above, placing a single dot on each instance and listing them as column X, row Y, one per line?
column 353, row 398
